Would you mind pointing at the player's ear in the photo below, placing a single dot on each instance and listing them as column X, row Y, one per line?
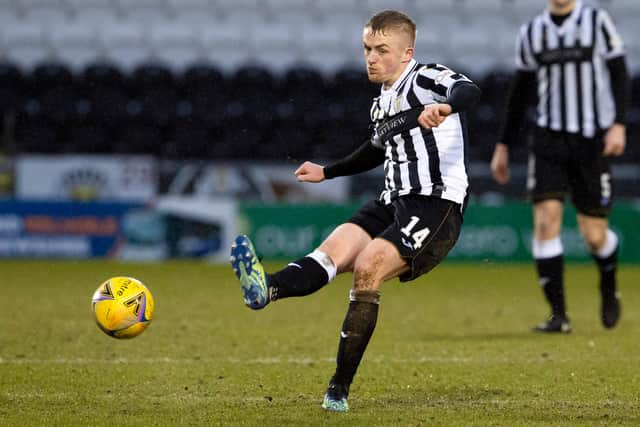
column 408, row 54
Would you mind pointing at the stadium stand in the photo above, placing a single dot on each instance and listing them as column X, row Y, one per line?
column 194, row 78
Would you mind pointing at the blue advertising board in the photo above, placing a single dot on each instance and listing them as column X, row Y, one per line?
column 61, row 229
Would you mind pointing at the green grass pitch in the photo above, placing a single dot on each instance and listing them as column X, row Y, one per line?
column 452, row 348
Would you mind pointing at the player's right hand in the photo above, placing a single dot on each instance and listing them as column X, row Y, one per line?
column 310, row 172
column 500, row 164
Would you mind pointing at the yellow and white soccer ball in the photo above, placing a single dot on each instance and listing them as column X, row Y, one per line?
column 123, row 307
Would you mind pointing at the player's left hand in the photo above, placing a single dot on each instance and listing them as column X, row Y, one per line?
column 433, row 115
column 614, row 140
column 310, row 172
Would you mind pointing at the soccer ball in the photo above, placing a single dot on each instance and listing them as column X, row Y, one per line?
column 123, row 307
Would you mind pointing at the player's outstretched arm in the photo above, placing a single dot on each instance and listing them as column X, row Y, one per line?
column 364, row 158
column 310, row 172
column 500, row 164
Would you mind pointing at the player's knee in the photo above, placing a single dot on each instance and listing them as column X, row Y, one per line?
column 546, row 229
column 594, row 238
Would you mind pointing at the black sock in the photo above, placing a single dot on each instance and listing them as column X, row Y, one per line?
column 607, row 267
column 550, row 272
column 357, row 329
column 299, row 278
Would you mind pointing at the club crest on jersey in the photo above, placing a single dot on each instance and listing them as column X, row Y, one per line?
column 398, row 103
column 442, row 75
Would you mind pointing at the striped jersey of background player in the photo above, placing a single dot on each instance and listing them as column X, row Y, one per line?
column 419, row 137
column 574, row 57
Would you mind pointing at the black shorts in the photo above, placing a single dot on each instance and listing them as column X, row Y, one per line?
column 423, row 228
column 562, row 163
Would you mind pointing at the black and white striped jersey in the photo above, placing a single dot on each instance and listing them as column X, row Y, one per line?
column 574, row 85
column 418, row 160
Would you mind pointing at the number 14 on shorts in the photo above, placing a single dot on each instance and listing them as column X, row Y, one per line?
column 417, row 236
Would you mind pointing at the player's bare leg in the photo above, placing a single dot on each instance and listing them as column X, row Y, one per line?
column 378, row 262
column 603, row 245
column 548, row 253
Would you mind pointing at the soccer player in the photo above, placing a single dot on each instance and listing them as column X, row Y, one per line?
column 573, row 56
column 419, row 137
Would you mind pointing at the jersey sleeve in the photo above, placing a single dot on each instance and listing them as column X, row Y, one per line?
column 437, row 79
column 610, row 42
column 525, row 60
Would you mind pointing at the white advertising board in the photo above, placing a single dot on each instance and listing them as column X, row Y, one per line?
column 86, row 178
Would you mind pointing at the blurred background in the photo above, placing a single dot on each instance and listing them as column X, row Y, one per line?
column 155, row 129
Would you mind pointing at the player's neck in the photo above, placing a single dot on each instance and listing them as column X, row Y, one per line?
column 562, row 10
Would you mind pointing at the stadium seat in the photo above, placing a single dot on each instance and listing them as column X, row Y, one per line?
column 103, row 75
column 49, row 16
column 96, row 16
column 53, row 87
column 124, row 43
column 336, row 7
column 239, row 6
column 12, row 88
column 203, row 86
column 253, row 80
column 174, row 44
column 276, row 7
column 74, row 43
column 28, row 5
column 351, row 90
column 127, row 5
column 86, row 135
column 339, row 138
column 25, row 44
column 144, row 15
column 253, row 90
column 193, row 18
column 305, row 91
column 8, row 16
column 149, row 77
column 51, row 75
column 102, row 84
column 77, row 5
column 239, row 140
column 435, row 9
column 35, row 132
column 524, row 10
column 153, row 85
column 224, row 46
column 198, row 5
column 188, row 138
column 373, row 6
column 272, row 37
column 136, row 135
column 488, row 7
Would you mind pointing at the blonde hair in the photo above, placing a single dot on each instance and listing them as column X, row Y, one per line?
column 392, row 19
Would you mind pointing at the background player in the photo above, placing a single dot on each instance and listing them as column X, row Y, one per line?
column 574, row 57
column 419, row 137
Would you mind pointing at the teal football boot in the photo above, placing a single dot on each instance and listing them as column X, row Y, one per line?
column 250, row 272
column 335, row 399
